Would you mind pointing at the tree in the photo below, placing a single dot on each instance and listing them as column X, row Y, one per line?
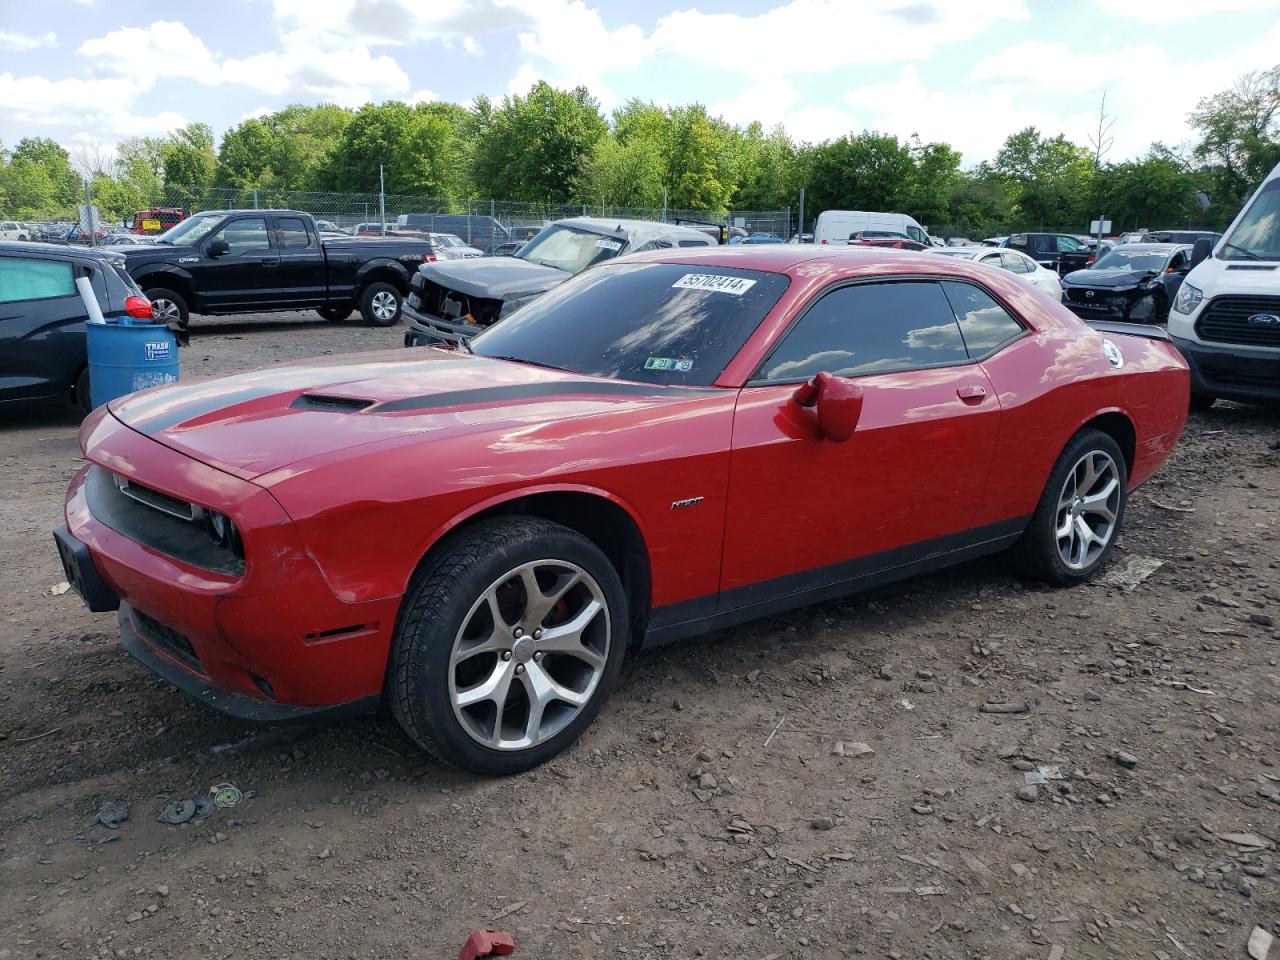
column 1240, row 137
column 866, row 171
column 927, row 192
column 369, row 141
column 65, row 187
column 188, row 161
column 431, row 159
column 701, row 167
column 1156, row 191
column 1048, row 178
column 536, row 147
column 767, row 171
column 630, row 174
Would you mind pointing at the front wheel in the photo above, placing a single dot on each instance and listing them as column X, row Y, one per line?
column 509, row 641
column 380, row 304
column 168, row 307
column 1079, row 516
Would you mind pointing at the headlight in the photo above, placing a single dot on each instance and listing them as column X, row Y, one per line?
column 1188, row 298
column 223, row 532
column 511, row 306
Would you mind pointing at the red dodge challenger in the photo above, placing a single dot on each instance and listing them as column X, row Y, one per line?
column 668, row 444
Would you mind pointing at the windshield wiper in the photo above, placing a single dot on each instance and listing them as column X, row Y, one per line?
column 531, row 363
column 1248, row 253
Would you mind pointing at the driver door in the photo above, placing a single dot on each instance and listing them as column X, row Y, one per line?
column 248, row 276
column 806, row 513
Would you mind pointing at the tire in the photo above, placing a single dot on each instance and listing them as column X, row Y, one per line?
column 81, row 394
column 380, row 304
column 1039, row 554
column 447, row 607
column 336, row 314
column 169, row 307
column 1200, row 402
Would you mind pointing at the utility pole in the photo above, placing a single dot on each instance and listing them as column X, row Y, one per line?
column 800, row 232
column 88, row 215
column 382, row 200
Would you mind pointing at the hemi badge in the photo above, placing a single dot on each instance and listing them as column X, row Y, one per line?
column 691, row 502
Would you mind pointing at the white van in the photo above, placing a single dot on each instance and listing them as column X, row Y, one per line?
column 1226, row 316
column 837, row 226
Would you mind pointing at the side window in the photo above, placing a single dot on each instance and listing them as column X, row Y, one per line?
column 1068, row 244
column 916, row 234
column 985, row 324
column 1178, row 262
column 1042, row 244
column 990, row 260
column 695, row 243
column 1016, row 263
column 654, row 245
column 245, row 236
column 24, row 279
column 870, row 328
column 1018, row 241
column 292, row 234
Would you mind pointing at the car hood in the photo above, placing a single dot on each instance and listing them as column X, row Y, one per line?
column 263, row 421
column 1107, row 279
column 493, row 278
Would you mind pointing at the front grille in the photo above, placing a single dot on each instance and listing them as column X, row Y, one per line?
column 167, row 639
column 1226, row 320
column 155, row 499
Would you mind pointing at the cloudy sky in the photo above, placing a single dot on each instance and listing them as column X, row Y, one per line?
column 964, row 71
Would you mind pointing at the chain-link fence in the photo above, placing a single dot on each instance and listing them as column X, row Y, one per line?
column 488, row 219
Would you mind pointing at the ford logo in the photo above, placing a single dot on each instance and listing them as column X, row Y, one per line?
column 1264, row 320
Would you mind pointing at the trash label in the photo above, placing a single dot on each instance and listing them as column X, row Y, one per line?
column 157, row 349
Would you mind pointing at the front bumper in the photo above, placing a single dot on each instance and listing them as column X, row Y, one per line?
column 423, row 329
column 275, row 633
column 1232, row 372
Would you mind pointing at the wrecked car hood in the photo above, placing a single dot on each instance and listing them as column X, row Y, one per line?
column 493, row 278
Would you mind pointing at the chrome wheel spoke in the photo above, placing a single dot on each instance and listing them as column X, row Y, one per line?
column 537, row 603
column 566, row 638
column 1088, row 507
column 494, row 687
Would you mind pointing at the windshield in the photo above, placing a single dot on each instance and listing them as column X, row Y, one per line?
column 1139, row 261
column 570, row 249
column 1257, row 235
column 190, row 231
column 664, row 323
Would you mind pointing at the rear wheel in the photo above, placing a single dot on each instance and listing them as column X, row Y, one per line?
column 81, row 392
column 1079, row 516
column 380, row 304
column 168, row 306
column 335, row 314
column 508, row 643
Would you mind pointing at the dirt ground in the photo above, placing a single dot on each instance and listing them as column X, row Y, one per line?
column 708, row 812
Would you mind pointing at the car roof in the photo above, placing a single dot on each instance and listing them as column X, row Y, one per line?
column 637, row 231
column 60, row 251
column 793, row 259
column 1155, row 247
column 227, row 213
column 972, row 250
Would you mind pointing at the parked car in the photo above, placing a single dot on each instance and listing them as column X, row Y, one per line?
column 154, row 221
column 251, row 261
column 1142, row 235
column 1185, row 236
column 1012, row 260
column 1135, row 282
column 12, row 230
column 509, row 249
column 452, row 301
column 882, row 238
column 836, row 226
column 801, row 238
column 1226, row 316
column 995, row 241
column 42, row 317
column 449, row 247
column 483, row 536
column 328, row 226
column 126, row 239
column 1047, row 249
column 760, row 238
column 483, row 233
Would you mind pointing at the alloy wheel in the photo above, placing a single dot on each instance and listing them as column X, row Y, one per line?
column 529, row 655
column 165, row 310
column 383, row 305
column 1087, row 509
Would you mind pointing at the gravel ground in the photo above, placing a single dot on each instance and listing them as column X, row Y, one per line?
column 820, row 784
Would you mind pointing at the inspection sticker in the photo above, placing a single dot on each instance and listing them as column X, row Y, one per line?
column 607, row 244
column 668, row 363
column 716, row 284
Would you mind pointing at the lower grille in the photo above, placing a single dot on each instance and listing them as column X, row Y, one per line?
column 167, row 639
column 1227, row 320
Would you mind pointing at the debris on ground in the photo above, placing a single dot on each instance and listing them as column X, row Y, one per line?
column 177, row 812
column 112, row 813
column 851, row 748
column 1006, row 708
column 487, row 943
column 1130, row 574
column 1259, row 944
column 58, row 589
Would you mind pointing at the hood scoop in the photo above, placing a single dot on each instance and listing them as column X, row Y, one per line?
column 320, row 401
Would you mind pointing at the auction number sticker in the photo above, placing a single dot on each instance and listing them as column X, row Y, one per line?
column 714, row 283
column 605, row 243
column 668, row 363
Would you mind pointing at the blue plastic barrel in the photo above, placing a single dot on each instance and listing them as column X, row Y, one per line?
column 128, row 356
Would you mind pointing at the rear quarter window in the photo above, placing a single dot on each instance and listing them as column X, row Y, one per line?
column 29, row 279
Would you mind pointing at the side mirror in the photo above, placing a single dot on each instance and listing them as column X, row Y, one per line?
column 1200, row 251
column 839, row 403
column 218, row 248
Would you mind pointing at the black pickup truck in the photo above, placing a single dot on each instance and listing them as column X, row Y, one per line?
column 251, row 261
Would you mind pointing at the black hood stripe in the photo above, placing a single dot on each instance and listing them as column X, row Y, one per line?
column 536, row 391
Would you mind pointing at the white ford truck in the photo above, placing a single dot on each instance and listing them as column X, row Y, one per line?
column 1226, row 316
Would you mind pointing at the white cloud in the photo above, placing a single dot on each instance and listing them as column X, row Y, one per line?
column 471, row 47
column 20, row 42
column 1162, row 11
column 421, row 96
column 167, row 48
column 103, row 106
column 1055, row 66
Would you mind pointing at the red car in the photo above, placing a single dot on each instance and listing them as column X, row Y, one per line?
column 671, row 443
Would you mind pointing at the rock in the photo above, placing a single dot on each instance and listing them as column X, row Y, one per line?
column 112, row 813
column 1093, row 695
column 163, row 890
column 886, row 672
column 707, row 782
column 133, row 917
column 1262, row 619
column 852, row 748
column 1259, row 943
column 1023, row 765
column 1029, row 792
column 705, row 755
column 821, row 823
column 1126, row 760
column 924, row 674
column 753, row 676
column 990, row 707
column 923, row 809
column 657, row 736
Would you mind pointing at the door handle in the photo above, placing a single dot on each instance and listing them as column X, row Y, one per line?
column 972, row 394
column 269, row 261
